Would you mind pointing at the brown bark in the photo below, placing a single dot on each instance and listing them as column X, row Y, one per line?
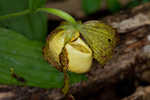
column 142, row 93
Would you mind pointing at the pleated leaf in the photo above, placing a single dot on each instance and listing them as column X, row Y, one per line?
column 22, row 63
column 33, row 25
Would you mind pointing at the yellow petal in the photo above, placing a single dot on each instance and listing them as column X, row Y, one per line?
column 56, row 45
column 79, row 56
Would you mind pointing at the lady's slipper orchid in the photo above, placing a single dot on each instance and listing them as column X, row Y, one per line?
column 75, row 48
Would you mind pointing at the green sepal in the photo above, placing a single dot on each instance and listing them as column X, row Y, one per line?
column 101, row 38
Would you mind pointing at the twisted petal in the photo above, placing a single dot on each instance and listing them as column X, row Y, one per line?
column 101, row 38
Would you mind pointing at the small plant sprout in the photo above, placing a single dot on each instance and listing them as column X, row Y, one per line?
column 73, row 45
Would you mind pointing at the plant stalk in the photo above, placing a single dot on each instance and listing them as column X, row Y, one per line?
column 53, row 11
column 60, row 14
column 15, row 14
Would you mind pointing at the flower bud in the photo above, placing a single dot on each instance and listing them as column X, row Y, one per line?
column 65, row 48
column 75, row 48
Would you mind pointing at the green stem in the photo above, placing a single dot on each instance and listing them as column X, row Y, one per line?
column 53, row 11
column 59, row 13
column 15, row 14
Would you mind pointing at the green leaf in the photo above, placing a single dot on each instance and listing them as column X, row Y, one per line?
column 90, row 6
column 25, row 58
column 133, row 3
column 113, row 5
column 144, row 1
column 33, row 26
column 34, row 4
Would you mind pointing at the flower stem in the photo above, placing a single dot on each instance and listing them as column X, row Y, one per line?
column 15, row 14
column 53, row 11
column 59, row 13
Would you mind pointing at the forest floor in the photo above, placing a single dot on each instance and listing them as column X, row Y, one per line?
column 125, row 77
